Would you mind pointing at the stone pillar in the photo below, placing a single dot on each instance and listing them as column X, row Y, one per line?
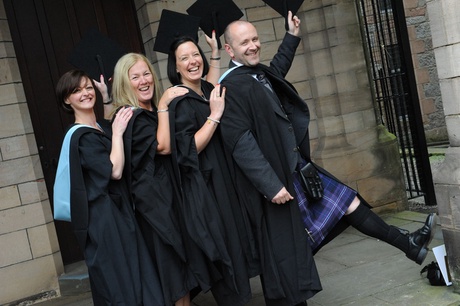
column 30, row 260
column 445, row 26
column 347, row 139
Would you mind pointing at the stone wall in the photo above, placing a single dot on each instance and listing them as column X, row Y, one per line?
column 30, row 260
column 429, row 92
column 329, row 72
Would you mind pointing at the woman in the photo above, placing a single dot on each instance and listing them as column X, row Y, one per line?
column 151, row 185
column 119, row 266
column 210, row 205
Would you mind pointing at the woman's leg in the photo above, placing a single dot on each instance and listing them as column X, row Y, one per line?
column 414, row 245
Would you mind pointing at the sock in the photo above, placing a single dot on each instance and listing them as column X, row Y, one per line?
column 369, row 223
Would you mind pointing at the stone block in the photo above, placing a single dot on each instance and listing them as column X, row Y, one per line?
column 313, row 20
column 298, row 71
column 321, row 63
column 244, row 4
column 325, row 85
column 442, row 192
column 5, row 34
column 11, row 121
column 20, row 170
column 32, row 192
column 43, row 240
column 453, row 128
column 6, row 49
column 29, row 278
column 304, row 90
column 326, row 106
column 450, row 89
column 17, row 147
column 10, row 197
column 266, row 33
column 346, row 81
column 261, row 13
column 317, row 41
column 446, row 61
column 11, row 93
column 23, row 217
column 15, row 248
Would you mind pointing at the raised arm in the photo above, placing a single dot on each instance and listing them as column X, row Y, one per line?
column 106, row 99
column 214, row 61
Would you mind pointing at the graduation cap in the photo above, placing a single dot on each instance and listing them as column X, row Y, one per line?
column 283, row 6
column 172, row 26
column 215, row 15
column 96, row 54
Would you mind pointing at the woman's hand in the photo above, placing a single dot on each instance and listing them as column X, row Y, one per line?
column 217, row 102
column 170, row 94
column 120, row 122
column 103, row 89
column 212, row 42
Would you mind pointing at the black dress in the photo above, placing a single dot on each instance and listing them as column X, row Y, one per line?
column 119, row 266
column 210, row 207
column 156, row 197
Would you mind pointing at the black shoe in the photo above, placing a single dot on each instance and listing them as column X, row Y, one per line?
column 420, row 239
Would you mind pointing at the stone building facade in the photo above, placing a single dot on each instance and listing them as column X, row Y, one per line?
column 329, row 71
column 423, row 57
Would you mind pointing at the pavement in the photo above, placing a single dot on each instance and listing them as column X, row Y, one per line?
column 355, row 270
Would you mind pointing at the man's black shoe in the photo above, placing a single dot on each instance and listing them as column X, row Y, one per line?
column 420, row 239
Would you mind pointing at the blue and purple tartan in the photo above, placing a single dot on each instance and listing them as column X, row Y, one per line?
column 321, row 216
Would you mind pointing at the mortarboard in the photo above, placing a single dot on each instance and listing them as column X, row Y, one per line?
column 215, row 15
column 172, row 26
column 283, row 6
column 96, row 54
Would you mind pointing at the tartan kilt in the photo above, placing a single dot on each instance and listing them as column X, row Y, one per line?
column 320, row 217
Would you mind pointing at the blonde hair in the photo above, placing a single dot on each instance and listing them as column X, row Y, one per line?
column 122, row 92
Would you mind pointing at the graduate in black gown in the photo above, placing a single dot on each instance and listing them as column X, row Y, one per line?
column 210, row 205
column 265, row 127
column 149, row 172
column 120, row 269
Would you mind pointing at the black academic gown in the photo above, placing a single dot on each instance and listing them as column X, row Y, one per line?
column 156, row 196
column 264, row 139
column 119, row 266
column 211, row 207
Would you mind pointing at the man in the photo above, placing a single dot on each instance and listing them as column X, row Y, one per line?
column 265, row 127
column 257, row 133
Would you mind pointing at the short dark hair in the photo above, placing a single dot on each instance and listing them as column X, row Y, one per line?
column 173, row 76
column 67, row 84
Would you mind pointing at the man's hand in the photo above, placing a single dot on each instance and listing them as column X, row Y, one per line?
column 282, row 197
column 294, row 24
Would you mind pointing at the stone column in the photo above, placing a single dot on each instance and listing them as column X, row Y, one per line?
column 347, row 139
column 445, row 25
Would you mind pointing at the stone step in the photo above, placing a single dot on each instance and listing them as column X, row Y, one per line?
column 75, row 280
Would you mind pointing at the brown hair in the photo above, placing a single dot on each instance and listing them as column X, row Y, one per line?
column 67, row 84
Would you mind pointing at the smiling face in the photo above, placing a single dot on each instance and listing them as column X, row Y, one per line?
column 83, row 97
column 244, row 44
column 189, row 63
column 141, row 79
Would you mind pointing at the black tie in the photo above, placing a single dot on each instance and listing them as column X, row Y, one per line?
column 264, row 81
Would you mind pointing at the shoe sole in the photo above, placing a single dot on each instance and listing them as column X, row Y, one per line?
column 432, row 223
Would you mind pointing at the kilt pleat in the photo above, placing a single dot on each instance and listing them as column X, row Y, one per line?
column 319, row 217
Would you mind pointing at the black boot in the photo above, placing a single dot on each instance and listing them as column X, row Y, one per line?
column 414, row 245
column 420, row 239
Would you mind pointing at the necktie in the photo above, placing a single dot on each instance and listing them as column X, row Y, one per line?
column 264, row 81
